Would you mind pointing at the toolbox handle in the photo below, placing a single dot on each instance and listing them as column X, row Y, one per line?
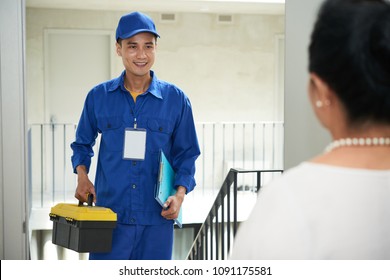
column 89, row 200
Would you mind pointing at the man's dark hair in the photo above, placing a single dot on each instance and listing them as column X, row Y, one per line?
column 119, row 41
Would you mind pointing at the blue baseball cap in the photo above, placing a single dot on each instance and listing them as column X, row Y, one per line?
column 134, row 23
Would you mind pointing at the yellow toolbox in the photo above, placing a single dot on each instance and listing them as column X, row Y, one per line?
column 83, row 228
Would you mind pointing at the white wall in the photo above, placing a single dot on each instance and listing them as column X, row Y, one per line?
column 227, row 70
column 13, row 173
column 304, row 137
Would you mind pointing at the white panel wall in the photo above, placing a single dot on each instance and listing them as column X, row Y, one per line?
column 304, row 137
column 13, row 174
column 228, row 70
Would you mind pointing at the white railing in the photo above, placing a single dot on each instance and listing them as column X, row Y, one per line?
column 248, row 145
column 223, row 146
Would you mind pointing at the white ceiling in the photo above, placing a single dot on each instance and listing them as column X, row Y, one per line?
column 203, row 6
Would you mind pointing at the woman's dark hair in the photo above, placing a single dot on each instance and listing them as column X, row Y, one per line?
column 350, row 51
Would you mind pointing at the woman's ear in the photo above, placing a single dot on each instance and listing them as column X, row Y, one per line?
column 322, row 94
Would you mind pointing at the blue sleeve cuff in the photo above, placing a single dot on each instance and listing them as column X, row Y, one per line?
column 186, row 181
column 86, row 161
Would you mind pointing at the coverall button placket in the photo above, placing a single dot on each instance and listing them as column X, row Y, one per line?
column 134, row 184
column 135, row 193
column 135, row 200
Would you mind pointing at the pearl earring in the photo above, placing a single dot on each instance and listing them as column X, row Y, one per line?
column 319, row 104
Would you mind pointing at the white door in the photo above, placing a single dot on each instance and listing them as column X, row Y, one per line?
column 75, row 61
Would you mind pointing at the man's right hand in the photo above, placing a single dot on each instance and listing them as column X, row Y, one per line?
column 84, row 185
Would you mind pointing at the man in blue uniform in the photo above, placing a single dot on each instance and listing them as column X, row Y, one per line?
column 137, row 115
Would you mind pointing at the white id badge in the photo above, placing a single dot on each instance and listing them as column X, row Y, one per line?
column 135, row 144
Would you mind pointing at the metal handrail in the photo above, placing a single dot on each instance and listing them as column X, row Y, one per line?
column 210, row 231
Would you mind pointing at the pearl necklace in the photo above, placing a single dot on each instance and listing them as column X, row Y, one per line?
column 369, row 141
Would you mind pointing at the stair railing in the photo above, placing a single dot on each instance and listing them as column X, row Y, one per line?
column 215, row 236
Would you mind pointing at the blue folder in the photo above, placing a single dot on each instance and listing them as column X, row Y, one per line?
column 165, row 185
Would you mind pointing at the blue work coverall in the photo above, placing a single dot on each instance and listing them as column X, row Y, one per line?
column 127, row 186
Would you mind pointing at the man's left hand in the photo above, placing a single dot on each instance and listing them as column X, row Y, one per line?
column 173, row 204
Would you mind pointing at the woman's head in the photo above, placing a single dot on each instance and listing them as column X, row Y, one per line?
column 350, row 51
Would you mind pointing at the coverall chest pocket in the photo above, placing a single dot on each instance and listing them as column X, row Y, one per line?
column 159, row 134
column 112, row 133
